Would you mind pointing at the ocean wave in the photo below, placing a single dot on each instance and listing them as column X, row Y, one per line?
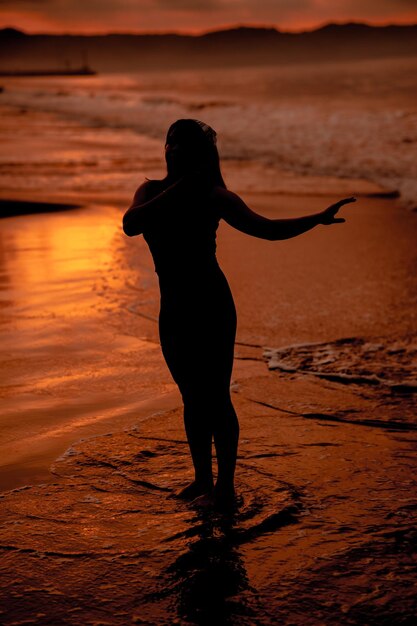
column 306, row 135
column 375, row 362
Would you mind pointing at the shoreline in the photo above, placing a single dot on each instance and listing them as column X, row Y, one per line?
column 31, row 460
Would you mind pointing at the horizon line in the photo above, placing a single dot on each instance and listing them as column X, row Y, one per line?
column 220, row 28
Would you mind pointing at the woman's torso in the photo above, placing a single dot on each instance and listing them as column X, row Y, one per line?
column 183, row 246
column 183, row 242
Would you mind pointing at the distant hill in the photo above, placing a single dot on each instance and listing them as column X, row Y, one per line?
column 236, row 46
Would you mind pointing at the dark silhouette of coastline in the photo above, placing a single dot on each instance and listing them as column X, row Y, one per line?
column 85, row 70
column 11, row 208
column 240, row 46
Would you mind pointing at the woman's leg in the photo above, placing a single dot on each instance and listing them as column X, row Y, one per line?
column 199, row 436
column 179, row 353
column 226, row 438
column 205, row 387
column 208, row 413
column 219, row 411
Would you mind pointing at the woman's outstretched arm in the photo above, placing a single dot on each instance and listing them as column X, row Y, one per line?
column 236, row 213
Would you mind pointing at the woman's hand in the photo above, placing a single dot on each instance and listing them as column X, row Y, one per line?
column 328, row 215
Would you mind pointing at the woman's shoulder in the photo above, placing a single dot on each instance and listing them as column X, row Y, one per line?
column 154, row 184
column 148, row 189
column 223, row 196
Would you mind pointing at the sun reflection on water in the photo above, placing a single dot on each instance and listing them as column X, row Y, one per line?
column 55, row 261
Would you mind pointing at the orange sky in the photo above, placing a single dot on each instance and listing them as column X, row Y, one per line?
column 101, row 16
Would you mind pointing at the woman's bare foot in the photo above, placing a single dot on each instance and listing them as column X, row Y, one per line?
column 225, row 498
column 206, row 500
column 194, row 490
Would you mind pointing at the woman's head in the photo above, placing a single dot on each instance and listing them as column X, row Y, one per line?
column 191, row 146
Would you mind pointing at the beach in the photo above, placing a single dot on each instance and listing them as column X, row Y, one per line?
column 92, row 441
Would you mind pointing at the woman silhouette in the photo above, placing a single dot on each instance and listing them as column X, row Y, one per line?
column 178, row 217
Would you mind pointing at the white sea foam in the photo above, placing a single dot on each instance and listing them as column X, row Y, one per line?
column 344, row 121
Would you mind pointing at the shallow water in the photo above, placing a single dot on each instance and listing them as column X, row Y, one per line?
column 65, row 365
column 324, row 531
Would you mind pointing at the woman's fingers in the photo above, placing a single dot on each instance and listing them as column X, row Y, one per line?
column 337, row 205
column 329, row 213
column 345, row 201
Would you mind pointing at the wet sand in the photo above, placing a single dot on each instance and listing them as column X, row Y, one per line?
column 92, row 440
column 326, row 530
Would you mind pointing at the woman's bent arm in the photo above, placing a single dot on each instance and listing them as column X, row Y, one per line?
column 236, row 213
column 146, row 207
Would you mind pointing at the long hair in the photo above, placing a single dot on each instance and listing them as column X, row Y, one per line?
column 200, row 140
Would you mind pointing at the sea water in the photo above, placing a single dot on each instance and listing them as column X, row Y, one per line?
column 348, row 120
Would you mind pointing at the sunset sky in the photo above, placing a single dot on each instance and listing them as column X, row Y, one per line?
column 101, row 16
